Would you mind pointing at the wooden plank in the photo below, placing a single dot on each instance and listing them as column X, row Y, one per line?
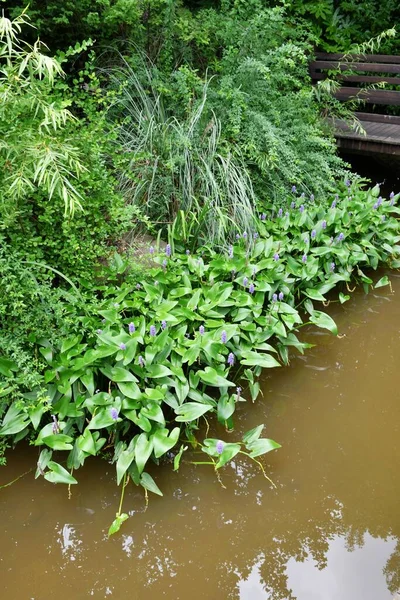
column 382, row 58
column 356, row 66
column 359, row 78
column 386, row 97
column 360, row 147
column 363, row 116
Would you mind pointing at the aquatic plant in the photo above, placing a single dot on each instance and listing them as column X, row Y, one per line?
column 140, row 391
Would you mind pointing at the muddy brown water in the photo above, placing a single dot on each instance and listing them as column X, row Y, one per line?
column 330, row 531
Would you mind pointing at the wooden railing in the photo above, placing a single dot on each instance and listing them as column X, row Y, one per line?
column 357, row 69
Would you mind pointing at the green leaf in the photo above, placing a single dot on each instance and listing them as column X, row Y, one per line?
column 343, row 298
column 44, row 459
column 148, row 483
column 191, row 411
column 117, row 374
column 86, row 443
column 58, row 474
column 177, row 459
column 253, row 434
column 156, row 371
column 14, row 421
column 321, row 319
column 382, row 282
column 124, row 462
column 229, row 452
column 130, row 390
column 58, row 441
column 266, row 361
column 226, row 407
column 164, row 441
column 261, row 446
column 143, row 450
column 153, row 412
column 315, row 294
column 101, row 419
column 7, row 367
column 213, row 378
column 70, row 343
column 116, row 524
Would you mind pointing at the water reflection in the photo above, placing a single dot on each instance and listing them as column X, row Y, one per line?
column 330, row 530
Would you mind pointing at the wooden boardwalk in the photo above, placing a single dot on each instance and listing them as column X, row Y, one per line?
column 382, row 132
column 382, row 135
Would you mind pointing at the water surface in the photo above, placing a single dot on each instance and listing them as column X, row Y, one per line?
column 330, row 531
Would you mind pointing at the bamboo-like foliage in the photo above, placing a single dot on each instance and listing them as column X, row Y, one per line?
column 34, row 153
column 179, row 164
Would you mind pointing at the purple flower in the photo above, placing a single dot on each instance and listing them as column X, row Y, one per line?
column 163, row 325
column 219, row 447
column 340, row 237
column 255, row 235
column 138, row 286
column 122, row 346
column 114, row 414
column 274, row 298
column 263, row 217
column 281, row 296
column 251, row 288
column 99, row 331
column 230, row 252
column 187, row 252
column 392, row 202
column 276, row 256
column 168, row 250
column 238, row 236
column 151, row 250
column 245, row 235
column 313, row 234
column 333, row 267
column 379, row 202
column 294, row 189
column 304, row 258
column 55, row 427
column 293, row 205
column 280, row 212
column 312, row 197
column 245, row 281
column 131, row 328
column 238, row 391
column 391, row 194
column 348, row 182
column 231, row 359
column 141, row 361
column 287, row 213
column 323, row 224
column 302, row 195
column 333, row 205
column 164, row 263
column 201, row 330
column 301, row 208
column 223, row 337
column 153, row 330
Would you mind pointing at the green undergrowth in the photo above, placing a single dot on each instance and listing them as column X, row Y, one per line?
column 146, row 359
